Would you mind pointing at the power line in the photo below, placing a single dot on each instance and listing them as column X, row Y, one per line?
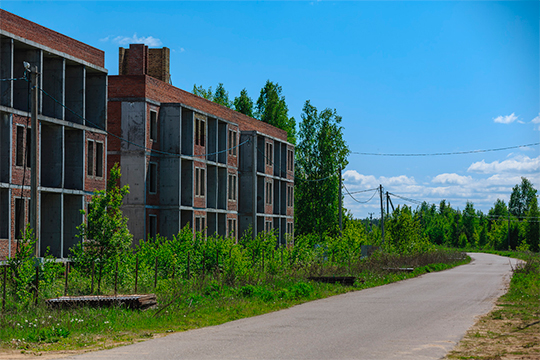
column 362, row 202
column 15, row 79
column 135, row 144
column 495, row 217
column 362, row 191
column 295, row 177
column 446, row 153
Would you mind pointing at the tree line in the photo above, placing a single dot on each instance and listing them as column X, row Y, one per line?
column 321, row 152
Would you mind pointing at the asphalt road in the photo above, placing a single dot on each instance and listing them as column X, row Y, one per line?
column 420, row 318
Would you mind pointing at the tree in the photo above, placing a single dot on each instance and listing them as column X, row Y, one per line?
column 221, row 96
column 521, row 197
column 243, row 103
column 105, row 234
column 532, row 226
column 272, row 109
column 200, row 91
column 470, row 222
column 320, row 152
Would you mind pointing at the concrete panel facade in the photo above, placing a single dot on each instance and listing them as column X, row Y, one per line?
column 71, row 75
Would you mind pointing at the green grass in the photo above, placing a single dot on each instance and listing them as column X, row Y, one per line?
column 200, row 302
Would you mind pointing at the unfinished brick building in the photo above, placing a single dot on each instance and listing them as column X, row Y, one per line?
column 188, row 160
column 71, row 158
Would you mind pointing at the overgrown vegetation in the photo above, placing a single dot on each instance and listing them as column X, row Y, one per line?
column 238, row 286
column 199, row 281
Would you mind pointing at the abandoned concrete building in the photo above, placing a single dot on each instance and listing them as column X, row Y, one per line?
column 72, row 146
column 188, row 160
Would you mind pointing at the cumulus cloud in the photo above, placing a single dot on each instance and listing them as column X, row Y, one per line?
column 451, row 179
column 536, row 122
column 126, row 40
column 508, row 119
column 520, row 164
column 482, row 188
column 357, row 180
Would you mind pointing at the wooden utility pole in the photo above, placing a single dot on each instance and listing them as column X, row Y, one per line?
column 340, row 205
column 508, row 236
column 382, row 212
column 34, row 76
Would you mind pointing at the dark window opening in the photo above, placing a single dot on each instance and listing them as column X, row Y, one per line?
column 90, row 161
column 99, row 159
column 153, row 126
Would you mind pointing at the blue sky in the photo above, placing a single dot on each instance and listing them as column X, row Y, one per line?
column 407, row 77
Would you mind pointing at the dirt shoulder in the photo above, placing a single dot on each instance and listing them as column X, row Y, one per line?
column 512, row 329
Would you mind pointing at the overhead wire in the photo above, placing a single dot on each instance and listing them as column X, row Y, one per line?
column 496, row 217
column 375, row 191
column 296, row 177
column 446, row 153
column 151, row 151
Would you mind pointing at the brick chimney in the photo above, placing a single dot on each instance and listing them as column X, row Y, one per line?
column 140, row 60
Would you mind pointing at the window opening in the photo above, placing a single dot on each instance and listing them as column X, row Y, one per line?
column 152, row 226
column 269, row 154
column 232, row 142
column 152, row 181
column 290, row 160
column 99, row 159
column 232, row 187
column 268, row 193
column 20, row 213
column 90, row 170
column 200, row 131
column 153, row 126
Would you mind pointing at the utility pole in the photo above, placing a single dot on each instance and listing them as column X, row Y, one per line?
column 382, row 212
column 508, row 236
column 340, row 205
column 371, row 222
column 34, row 76
column 387, row 203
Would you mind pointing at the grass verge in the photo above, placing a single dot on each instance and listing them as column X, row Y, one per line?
column 512, row 329
column 185, row 305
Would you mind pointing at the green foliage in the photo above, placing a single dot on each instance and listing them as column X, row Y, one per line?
column 531, row 226
column 501, row 229
column 320, row 152
column 404, row 233
column 22, row 267
column 221, row 96
column 521, row 198
column 105, row 235
column 243, row 103
column 271, row 108
column 200, row 91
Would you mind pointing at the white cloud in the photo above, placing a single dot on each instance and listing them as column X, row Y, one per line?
column 451, row 179
column 482, row 188
column 126, row 40
column 508, row 119
column 521, row 164
column 536, row 121
column 358, row 181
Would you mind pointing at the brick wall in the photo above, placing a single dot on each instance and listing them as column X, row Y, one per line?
column 92, row 182
column 28, row 30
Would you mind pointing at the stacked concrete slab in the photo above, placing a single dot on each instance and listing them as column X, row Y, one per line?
column 71, row 143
